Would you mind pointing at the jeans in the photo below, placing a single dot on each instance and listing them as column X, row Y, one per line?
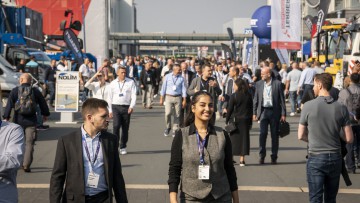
column 85, row 94
column 323, row 176
column 219, row 107
column 39, row 118
column 121, row 120
column 268, row 118
column 353, row 148
column 294, row 101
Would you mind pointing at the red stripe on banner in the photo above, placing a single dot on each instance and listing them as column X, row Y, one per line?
column 285, row 45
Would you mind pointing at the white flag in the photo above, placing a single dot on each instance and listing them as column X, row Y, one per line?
column 255, row 53
column 286, row 24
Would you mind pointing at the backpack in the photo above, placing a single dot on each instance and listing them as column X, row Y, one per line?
column 26, row 104
column 353, row 105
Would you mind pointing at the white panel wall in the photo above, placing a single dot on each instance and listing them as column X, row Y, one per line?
column 96, row 30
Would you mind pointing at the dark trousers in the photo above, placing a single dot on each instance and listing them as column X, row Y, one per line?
column 39, row 118
column 30, row 138
column 51, row 86
column 268, row 118
column 184, row 112
column 121, row 120
column 307, row 87
column 353, row 149
column 98, row 198
column 323, row 177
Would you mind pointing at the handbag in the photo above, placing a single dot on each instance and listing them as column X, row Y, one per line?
column 230, row 128
column 284, row 129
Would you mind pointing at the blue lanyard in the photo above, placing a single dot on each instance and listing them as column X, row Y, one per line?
column 174, row 81
column 201, row 146
column 88, row 153
column 267, row 89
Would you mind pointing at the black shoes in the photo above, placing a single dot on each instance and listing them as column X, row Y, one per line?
column 352, row 171
column 262, row 161
column 42, row 127
column 26, row 169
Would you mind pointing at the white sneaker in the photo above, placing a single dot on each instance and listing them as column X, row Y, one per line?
column 218, row 116
column 123, row 151
column 292, row 114
column 167, row 132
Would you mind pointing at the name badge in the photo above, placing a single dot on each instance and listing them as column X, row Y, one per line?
column 121, row 94
column 148, row 79
column 204, row 91
column 204, row 172
column 93, row 180
column 174, row 88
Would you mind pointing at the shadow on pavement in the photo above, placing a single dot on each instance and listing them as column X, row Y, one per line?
column 129, row 165
column 151, row 152
column 53, row 133
column 40, row 169
column 280, row 148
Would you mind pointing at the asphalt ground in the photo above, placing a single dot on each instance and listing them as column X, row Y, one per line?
column 145, row 167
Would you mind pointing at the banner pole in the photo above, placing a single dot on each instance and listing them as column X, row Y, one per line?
column 302, row 31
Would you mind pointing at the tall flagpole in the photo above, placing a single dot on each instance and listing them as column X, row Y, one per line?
column 302, row 31
column 84, row 28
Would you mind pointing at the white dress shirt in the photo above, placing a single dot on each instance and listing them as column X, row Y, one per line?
column 62, row 68
column 164, row 70
column 267, row 95
column 122, row 93
column 99, row 92
column 84, row 70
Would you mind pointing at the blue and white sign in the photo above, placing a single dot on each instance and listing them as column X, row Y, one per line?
column 67, row 91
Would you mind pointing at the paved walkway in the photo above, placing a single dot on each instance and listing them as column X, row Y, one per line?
column 162, row 196
column 145, row 167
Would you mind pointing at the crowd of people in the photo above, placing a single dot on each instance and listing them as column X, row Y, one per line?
column 196, row 93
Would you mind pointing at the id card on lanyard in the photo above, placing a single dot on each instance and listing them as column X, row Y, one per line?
column 121, row 94
column 148, row 77
column 204, row 86
column 93, row 178
column 174, row 81
column 204, row 170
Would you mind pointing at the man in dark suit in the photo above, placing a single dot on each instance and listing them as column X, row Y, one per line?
column 147, row 85
column 188, row 78
column 269, row 108
column 131, row 70
column 88, row 162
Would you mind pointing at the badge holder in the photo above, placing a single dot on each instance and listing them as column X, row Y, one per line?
column 204, row 172
column 93, row 180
